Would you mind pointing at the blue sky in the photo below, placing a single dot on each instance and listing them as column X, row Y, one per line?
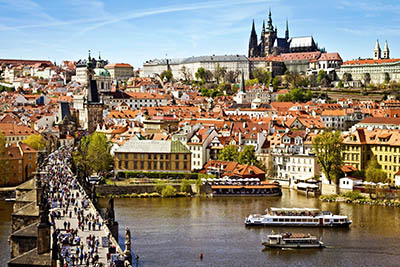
column 134, row 31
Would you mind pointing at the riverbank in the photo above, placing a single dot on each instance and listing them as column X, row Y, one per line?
column 356, row 197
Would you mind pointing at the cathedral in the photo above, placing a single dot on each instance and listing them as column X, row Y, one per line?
column 271, row 44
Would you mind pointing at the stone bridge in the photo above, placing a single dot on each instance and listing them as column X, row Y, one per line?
column 47, row 213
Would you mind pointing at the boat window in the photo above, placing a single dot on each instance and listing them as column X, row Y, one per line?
column 274, row 220
column 287, row 220
column 281, row 220
column 310, row 220
column 304, row 220
column 298, row 220
column 327, row 220
column 336, row 220
column 316, row 220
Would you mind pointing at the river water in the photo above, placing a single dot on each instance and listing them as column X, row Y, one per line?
column 173, row 232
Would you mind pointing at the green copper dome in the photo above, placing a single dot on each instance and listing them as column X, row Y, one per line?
column 101, row 72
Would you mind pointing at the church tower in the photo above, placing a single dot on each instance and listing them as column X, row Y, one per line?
column 377, row 51
column 270, row 36
column 92, row 103
column 253, row 47
column 386, row 52
column 287, row 30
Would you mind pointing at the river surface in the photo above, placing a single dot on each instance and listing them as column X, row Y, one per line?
column 173, row 232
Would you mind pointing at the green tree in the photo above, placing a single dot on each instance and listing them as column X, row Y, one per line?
column 93, row 154
column 35, row 141
column 168, row 191
column 200, row 74
column 347, row 77
column 340, row 84
column 374, row 173
column 229, row 153
column 327, row 146
column 248, row 156
column 219, row 73
column 252, row 82
column 159, row 187
column 208, row 76
column 166, row 75
column 4, row 163
column 276, row 82
column 321, row 75
column 186, row 186
column 261, row 75
column 387, row 78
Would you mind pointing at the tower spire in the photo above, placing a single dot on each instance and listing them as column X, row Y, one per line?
column 386, row 51
column 253, row 42
column 287, row 30
column 263, row 26
column 270, row 27
column 377, row 50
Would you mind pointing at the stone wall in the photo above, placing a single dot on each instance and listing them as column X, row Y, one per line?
column 20, row 245
column 20, row 221
column 129, row 189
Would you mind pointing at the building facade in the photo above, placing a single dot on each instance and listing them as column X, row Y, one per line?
column 152, row 156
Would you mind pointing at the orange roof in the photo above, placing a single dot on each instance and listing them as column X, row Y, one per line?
column 118, row 65
column 371, row 61
column 244, row 186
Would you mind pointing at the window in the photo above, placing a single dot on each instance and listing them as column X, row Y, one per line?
column 176, row 165
column 166, row 156
column 135, row 164
column 185, row 165
column 161, row 165
column 142, row 165
column 155, row 165
column 185, row 157
column 126, row 164
column 149, row 156
column 126, row 156
column 176, row 156
column 167, row 165
column 161, row 156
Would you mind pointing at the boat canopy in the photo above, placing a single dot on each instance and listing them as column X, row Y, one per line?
column 292, row 210
column 307, row 185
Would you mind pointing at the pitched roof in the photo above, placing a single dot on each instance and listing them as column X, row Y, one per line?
column 371, row 61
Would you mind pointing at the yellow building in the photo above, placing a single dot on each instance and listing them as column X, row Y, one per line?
column 362, row 145
column 152, row 155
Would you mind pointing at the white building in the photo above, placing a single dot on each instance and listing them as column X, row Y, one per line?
column 236, row 63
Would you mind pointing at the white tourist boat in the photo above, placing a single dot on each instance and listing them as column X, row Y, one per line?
column 292, row 240
column 297, row 217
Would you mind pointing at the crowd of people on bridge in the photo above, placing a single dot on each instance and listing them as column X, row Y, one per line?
column 72, row 219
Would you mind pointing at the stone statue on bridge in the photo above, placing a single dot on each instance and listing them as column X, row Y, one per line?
column 127, row 252
column 110, row 214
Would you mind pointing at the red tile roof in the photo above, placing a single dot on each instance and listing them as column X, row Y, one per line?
column 371, row 61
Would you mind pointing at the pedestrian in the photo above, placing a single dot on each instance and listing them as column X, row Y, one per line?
column 65, row 225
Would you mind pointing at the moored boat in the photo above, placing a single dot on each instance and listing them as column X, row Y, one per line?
column 292, row 240
column 297, row 217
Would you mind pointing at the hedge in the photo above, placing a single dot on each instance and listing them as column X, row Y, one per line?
column 159, row 175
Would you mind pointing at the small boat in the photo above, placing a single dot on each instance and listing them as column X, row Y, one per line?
column 297, row 217
column 292, row 240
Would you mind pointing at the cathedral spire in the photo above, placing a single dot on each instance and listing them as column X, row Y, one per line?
column 270, row 27
column 263, row 27
column 253, row 42
column 377, row 51
column 287, row 30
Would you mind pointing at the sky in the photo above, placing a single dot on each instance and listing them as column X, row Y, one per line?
column 134, row 31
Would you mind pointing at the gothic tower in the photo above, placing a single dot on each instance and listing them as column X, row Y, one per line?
column 377, row 51
column 270, row 36
column 287, row 30
column 386, row 53
column 253, row 47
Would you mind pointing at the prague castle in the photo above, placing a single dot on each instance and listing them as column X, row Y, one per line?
column 271, row 44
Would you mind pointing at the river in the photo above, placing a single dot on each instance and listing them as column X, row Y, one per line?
column 173, row 232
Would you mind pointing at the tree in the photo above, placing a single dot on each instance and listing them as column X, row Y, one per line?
column 347, row 77
column 327, row 146
column 219, row 73
column 93, row 154
column 166, row 75
column 248, row 156
column 187, row 76
column 231, row 76
column 4, row 163
column 168, row 191
column 321, row 75
column 367, row 78
column 387, row 78
column 340, row 84
column 208, row 76
column 35, row 141
column 276, row 82
column 200, row 74
column 252, row 82
column 229, row 153
column 262, row 75
column 186, row 186
column 374, row 173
